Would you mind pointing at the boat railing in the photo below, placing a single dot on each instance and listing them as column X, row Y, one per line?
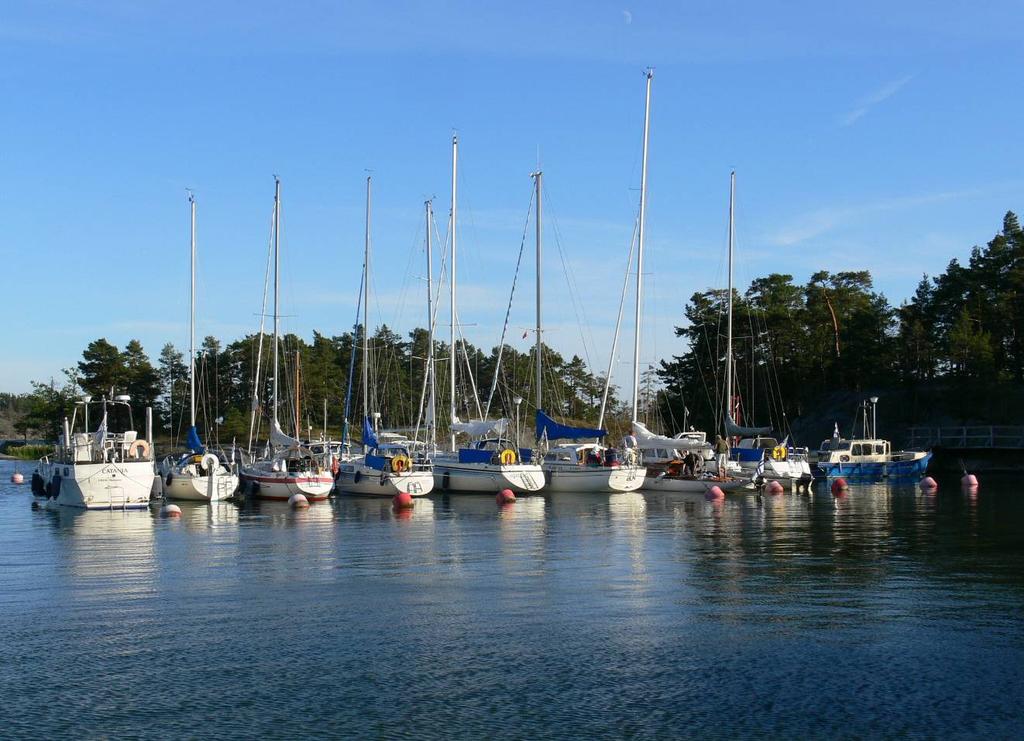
column 983, row 436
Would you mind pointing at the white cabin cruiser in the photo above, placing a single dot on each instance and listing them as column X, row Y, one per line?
column 100, row 469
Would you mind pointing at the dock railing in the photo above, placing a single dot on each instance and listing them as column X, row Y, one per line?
column 991, row 436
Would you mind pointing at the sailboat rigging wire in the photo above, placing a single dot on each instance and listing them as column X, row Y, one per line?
column 508, row 309
column 469, row 368
column 352, row 362
column 254, row 418
column 570, row 280
column 618, row 324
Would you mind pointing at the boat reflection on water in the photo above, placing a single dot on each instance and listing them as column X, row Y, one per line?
column 281, row 513
column 367, row 509
column 201, row 515
column 106, row 555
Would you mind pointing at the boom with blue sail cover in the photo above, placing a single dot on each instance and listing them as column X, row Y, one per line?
column 547, row 427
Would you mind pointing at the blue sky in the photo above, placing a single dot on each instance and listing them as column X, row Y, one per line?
column 867, row 135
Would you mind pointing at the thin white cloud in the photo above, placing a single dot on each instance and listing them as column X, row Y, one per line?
column 820, row 221
column 627, row 17
column 871, row 100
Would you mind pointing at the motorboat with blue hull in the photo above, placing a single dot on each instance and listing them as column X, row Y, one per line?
column 871, row 460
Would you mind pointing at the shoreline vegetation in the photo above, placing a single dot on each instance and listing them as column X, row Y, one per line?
column 804, row 356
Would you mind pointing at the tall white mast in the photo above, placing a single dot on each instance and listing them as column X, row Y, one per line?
column 432, row 399
column 277, row 285
column 192, row 316
column 366, row 311
column 537, row 185
column 728, row 333
column 451, row 351
column 640, row 249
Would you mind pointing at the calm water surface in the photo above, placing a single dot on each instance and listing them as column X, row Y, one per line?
column 886, row 612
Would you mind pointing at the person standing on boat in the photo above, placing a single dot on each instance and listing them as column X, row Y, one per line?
column 721, row 455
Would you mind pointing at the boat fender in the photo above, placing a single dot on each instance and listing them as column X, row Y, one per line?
column 38, row 488
column 358, row 477
column 139, row 449
column 56, row 485
column 170, row 478
column 210, row 462
column 334, row 465
column 383, row 478
column 49, row 489
column 446, row 480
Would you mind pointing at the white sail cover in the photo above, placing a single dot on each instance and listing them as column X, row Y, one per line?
column 281, row 440
column 479, row 427
column 647, row 440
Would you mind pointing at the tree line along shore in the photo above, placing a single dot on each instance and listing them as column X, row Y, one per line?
column 803, row 356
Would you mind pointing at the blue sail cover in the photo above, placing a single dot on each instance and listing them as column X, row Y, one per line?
column 555, row 431
column 193, row 441
column 369, row 436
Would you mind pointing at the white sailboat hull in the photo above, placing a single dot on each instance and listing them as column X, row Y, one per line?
column 282, row 486
column 521, row 478
column 194, row 488
column 121, row 485
column 361, row 480
column 790, row 473
column 582, row 480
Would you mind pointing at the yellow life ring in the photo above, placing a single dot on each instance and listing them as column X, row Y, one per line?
column 779, row 453
column 400, row 463
column 139, row 449
column 507, row 457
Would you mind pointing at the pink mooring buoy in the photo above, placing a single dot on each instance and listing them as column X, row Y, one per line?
column 298, row 501
column 774, row 488
column 171, row 510
column 714, row 493
column 402, row 500
column 506, row 496
column 17, row 478
column 840, row 487
column 969, row 481
column 928, row 484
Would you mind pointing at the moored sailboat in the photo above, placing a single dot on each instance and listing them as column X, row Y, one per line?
column 288, row 467
column 384, row 469
column 491, row 462
column 575, row 466
column 199, row 474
